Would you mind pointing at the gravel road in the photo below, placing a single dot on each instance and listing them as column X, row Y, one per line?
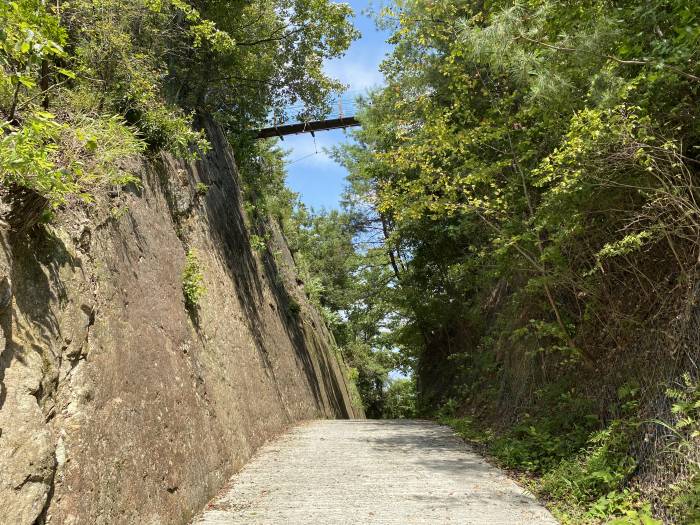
column 375, row 472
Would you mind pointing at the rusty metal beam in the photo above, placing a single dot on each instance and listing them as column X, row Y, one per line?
column 307, row 127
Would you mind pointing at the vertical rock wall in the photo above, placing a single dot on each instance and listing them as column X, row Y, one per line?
column 117, row 405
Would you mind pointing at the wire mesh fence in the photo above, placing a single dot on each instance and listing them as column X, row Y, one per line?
column 339, row 106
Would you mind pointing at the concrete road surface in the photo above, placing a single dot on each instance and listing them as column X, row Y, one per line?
column 375, row 472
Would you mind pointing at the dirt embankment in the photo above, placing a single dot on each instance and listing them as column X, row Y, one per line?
column 117, row 405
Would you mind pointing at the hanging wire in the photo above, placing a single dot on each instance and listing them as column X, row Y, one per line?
column 306, row 156
column 301, row 158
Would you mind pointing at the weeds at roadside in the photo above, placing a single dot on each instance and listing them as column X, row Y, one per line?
column 576, row 465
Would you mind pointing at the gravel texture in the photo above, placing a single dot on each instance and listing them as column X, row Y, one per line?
column 363, row 471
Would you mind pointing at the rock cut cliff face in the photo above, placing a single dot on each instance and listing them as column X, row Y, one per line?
column 117, row 405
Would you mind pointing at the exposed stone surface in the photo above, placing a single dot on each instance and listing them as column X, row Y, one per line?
column 116, row 405
column 381, row 472
column 5, row 291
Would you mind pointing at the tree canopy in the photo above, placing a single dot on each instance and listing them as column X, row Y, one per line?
column 90, row 80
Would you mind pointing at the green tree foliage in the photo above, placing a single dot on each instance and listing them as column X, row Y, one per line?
column 192, row 281
column 88, row 84
column 348, row 284
column 532, row 144
column 400, row 399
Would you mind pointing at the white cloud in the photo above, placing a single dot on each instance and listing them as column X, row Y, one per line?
column 359, row 75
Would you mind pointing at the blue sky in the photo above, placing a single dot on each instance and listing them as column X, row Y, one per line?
column 315, row 176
